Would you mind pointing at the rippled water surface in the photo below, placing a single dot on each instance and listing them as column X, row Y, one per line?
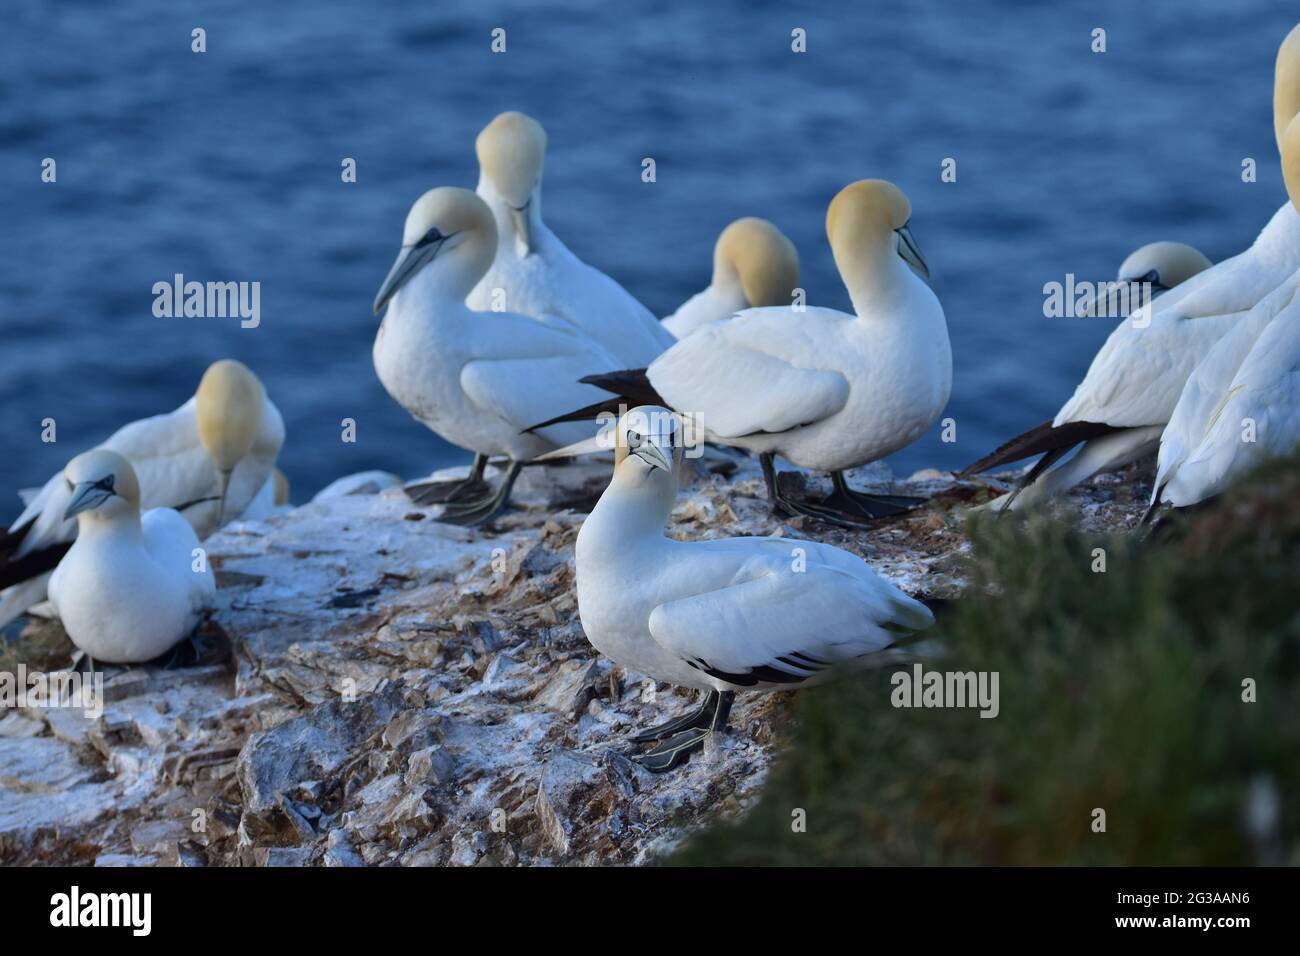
column 225, row 166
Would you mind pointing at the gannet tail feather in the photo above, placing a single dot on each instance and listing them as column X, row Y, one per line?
column 1037, row 441
column 630, row 388
column 17, row 570
column 16, row 601
column 630, row 383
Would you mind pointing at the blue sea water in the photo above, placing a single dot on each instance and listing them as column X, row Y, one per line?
column 226, row 166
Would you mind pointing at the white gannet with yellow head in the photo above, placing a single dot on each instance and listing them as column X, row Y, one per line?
column 478, row 379
column 722, row 615
column 754, row 266
column 830, row 391
column 131, row 586
column 207, row 459
column 533, row 273
column 1137, row 377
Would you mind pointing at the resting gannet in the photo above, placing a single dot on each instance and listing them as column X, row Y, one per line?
column 754, row 266
column 823, row 389
column 131, row 586
column 722, row 615
column 1135, row 380
column 207, row 459
column 476, row 378
column 534, row 273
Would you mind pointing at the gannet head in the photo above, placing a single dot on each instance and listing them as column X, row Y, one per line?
column 228, row 412
column 865, row 217
column 1162, row 264
column 648, row 444
column 511, row 150
column 102, row 482
column 442, row 220
column 764, row 261
column 1286, row 84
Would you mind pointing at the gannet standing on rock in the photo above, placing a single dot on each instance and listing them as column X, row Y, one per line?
column 128, row 590
column 1135, row 381
column 823, row 389
column 534, row 271
column 476, row 378
column 724, row 615
column 207, row 459
column 754, row 265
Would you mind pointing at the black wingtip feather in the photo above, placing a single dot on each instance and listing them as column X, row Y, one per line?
column 1037, row 441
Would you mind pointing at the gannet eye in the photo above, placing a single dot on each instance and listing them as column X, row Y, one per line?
column 633, row 439
column 433, row 235
column 68, row 482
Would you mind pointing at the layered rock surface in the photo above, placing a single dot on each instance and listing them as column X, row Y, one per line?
column 381, row 689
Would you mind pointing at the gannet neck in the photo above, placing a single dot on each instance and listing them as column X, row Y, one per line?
column 452, row 276
column 1290, row 145
column 1286, row 84
column 518, row 229
column 117, row 519
column 637, row 504
column 752, row 258
column 862, row 226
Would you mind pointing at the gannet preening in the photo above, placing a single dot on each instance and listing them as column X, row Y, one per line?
column 131, row 587
column 724, row 615
column 271, row 500
column 207, row 459
column 1135, row 380
column 1161, row 265
column 476, row 378
column 754, row 265
column 822, row 389
column 534, row 273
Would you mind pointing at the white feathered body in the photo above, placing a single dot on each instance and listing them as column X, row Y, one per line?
column 705, row 614
column 127, row 590
column 479, row 379
column 551, row 284
column 704, row 308
column 1254, row 421
column 821, row 388
column 1137, row 376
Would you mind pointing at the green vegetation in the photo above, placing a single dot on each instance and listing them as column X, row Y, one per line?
column 1119, row 690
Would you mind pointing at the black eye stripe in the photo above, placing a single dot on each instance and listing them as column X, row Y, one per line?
column 433, row 235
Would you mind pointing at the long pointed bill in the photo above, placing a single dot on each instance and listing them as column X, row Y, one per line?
column 588, row 446
column 87, row 496
column 909, row 252
column 652, row 455
column 409, row 261
column 523, row 230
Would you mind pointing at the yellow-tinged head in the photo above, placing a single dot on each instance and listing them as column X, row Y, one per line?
column 511, row 150
column 1290, row 145
column 866, row 220
column 101, row 481
column 228, row 407
column 441, row 220
column 761, row 257
column 1164, row 264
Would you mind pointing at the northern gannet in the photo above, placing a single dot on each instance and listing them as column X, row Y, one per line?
column 476, row 378
column 1165, row 266
column 822, row 389
column 723, row 615
column 1135, row 380
column 207, row 459
column 534, row 273
column 132, row 586
column 754, row 266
